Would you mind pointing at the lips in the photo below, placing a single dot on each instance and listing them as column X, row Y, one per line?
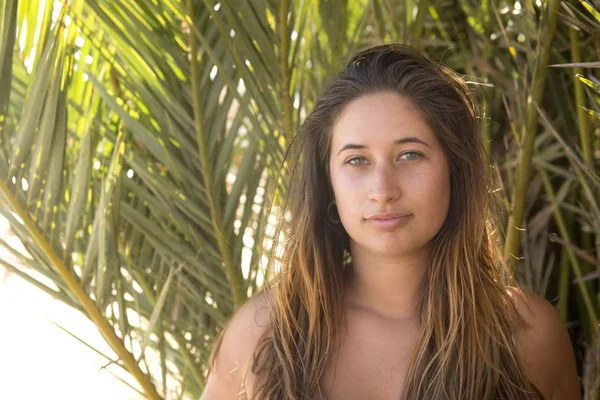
column 389, row 221
column 387, row 215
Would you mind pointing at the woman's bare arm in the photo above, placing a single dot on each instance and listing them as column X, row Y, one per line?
column 240, row 338
column 545, row 348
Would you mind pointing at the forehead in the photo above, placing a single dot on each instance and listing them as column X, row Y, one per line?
column 380, row 118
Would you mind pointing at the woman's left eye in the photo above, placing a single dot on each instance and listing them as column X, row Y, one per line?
column 412, row 155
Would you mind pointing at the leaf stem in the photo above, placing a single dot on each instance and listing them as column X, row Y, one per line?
column 234, row 273
column 515, row 223
column 284, row 50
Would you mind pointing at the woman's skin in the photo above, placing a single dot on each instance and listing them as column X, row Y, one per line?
column 385, row 158
column 388, row 263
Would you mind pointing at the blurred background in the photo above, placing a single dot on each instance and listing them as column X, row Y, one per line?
column 141, row 142
column 37, row 359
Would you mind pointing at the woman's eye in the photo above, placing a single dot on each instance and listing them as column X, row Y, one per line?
column 350, row 161
column 410, row 155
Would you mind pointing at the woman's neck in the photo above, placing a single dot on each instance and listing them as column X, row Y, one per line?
column 388, row 290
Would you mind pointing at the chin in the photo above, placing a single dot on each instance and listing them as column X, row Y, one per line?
column 397, row 248
column 398, row 253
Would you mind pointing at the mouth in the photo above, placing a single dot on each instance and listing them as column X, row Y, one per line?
column 387, row 215
column 387, row 223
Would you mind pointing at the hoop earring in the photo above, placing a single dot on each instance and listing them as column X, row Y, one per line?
column 329, row 214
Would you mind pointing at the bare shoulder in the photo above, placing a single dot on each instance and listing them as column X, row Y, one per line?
column 545, row 347
column 239, row 340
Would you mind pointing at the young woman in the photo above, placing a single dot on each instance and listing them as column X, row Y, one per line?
column 390, row 288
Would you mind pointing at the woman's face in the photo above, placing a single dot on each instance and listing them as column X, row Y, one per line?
column 384, row 158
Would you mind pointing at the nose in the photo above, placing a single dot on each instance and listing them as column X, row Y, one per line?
column 385, row 185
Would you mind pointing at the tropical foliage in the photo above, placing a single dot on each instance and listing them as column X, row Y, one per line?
column 141, row 141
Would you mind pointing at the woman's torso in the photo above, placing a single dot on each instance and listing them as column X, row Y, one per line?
column 373, row 355
column 372, row 359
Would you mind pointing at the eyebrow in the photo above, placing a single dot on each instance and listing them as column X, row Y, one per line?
column 397, row 141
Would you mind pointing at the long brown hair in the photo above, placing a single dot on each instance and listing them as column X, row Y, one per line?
column 466, row 347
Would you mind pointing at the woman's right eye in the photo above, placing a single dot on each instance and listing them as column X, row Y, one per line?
column 352, row 164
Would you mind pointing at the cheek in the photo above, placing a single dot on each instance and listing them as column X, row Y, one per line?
column 431, row 192
column 345, row 186
column 445, row 197
column 349, row 197
column 348, row 205
column 441, row 194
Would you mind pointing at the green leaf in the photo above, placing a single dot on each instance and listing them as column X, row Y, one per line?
column 587, row 82
column 586, row 4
